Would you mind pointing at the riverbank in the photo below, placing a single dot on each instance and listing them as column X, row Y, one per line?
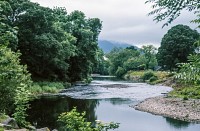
column 177, row 108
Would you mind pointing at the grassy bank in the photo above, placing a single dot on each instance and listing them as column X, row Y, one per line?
column 186, row 91
column 148, row 76
column 48, row 87
column 181, row 90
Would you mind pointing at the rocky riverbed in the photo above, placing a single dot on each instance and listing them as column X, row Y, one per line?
column 177, row 108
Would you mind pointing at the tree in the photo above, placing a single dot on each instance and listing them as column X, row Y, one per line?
column 176, row 46
column 171, row 9
column 12, row 75
column 118, row 57
column 8, row 34
column 149, row 54
column 44, row 42
column 86, row 32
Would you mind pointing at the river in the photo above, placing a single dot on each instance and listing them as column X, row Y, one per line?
column 107, row 100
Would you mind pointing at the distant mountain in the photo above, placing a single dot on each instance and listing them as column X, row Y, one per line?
column 107, row 46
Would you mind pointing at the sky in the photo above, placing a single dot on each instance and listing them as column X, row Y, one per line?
column 123, row 20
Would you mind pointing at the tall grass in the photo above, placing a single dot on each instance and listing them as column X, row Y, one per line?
column 48, row 87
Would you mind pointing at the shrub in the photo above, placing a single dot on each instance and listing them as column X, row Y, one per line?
column 148, row 75
column 47, row 87
column 120, row 72
column 21, row 103
column 12, row 75
column 153, row 78
column 74, row 121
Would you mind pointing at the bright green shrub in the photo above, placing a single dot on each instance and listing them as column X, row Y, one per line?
column 74, row 121
column 12, row 75
column 21, row 103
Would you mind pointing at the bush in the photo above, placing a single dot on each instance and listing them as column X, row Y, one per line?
column 74, row 121
column 12, row 75
column 48, row 87
column 148, row 75
column 120, row 72
column 153, row 78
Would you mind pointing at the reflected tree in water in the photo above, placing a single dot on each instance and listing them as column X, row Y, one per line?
column 45, row 111
column 177, row 124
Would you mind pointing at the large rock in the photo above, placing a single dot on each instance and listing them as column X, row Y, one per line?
column 10, row 123
column 43, row 129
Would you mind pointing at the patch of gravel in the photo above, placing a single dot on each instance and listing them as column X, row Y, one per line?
column 177, row 108
column 115, row 86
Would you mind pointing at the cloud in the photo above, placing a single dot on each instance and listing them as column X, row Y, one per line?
column 123, row 20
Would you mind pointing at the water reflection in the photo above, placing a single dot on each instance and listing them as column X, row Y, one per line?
column 177, row 124
column 45, row 111
column 108, row 101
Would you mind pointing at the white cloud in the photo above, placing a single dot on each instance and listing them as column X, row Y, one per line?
column 123, row 20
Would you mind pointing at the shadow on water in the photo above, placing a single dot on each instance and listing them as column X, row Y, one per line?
column 110, row 78
column 107, row 101
column 177, row 124
column 44, row 112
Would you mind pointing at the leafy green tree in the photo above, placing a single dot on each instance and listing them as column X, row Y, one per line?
column 118, row 57
column 12, row 75
column 8, row 34
column 135, row 63
column 150, row 55
column 54, row 45
column 101, row 66
column 86, row 32
column 43, row 42
column 171, row 9
column 176, row 46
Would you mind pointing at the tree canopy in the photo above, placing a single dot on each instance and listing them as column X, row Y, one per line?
column 54, row 45
column 171, row 9
column 176, row 46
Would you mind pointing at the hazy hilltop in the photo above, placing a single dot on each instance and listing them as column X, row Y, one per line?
column 107, row 46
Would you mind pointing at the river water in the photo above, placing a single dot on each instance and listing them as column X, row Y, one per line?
column 107, row 100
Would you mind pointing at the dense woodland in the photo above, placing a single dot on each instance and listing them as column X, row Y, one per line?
column 42, row 44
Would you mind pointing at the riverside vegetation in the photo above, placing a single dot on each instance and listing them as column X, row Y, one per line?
column 45, row 50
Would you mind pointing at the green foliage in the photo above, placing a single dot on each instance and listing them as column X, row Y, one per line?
column 86, row 32
column 152, row 77
column 1, row 129
column 3, row 117
column 53, row 44
column 190, row 72
column 101, row 126
column 176, row 46
column 150, row 56
column 74, row 121
column 12, row 75
column 8, row 33
column 48, row 87
column 118, row 57
column 21, row 103
column 102, row 64
column 186, row 92
column 120, row 72
column 171, row 9
column 88, row 80
column 148, row 75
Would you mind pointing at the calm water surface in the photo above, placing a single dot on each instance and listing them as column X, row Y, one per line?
column 107, row 101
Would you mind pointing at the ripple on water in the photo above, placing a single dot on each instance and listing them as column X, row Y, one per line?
column 110, row 89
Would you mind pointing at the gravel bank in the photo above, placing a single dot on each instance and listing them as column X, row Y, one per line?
column 177, row 108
